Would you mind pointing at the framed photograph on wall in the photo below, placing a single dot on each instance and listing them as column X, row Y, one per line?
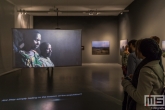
column 163, row 49
column 163, row 45
column 100, row 47
column 123, row 43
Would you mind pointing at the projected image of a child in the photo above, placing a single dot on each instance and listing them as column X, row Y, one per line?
column 27, row 56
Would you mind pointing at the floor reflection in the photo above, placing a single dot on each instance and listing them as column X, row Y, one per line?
column 98, row 84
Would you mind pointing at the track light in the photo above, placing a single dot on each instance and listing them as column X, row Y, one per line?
column 89, row 12
column 93, row 12
column 23, row 12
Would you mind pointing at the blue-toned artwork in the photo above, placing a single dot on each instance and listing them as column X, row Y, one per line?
column 100, row 47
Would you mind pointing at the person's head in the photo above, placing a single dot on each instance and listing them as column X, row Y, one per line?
column 32, row 40
column 150, row 49
column 131, row 45
column 126, row 48
column 45, row 49
column 137, row 46
column 156, row 38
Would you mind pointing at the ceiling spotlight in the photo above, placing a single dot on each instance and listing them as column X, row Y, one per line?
column 23, row 12
column 121, row 13
column 97, row 12
column 90, row 13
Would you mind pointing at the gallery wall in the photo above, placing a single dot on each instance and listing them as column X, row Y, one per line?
column 9, row 19
column 6, row 23
column 145, row 19
column 94, row 28
column 21, row 20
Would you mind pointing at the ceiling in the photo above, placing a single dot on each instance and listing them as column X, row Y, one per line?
column 72, row 7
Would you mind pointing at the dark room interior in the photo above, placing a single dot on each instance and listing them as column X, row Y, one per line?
column 89, row 81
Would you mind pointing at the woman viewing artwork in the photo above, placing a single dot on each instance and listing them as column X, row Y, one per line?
column 148, row 78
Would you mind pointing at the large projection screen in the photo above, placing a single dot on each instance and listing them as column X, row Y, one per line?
column 46, row 48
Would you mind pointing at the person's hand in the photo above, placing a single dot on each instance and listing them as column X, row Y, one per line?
column 130, row 76
column 122, row 78
column 163, row 54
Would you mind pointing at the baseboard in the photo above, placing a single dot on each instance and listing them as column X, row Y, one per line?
column 10, row 71
column 101, row 64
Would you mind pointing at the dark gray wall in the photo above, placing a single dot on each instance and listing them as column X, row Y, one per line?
column 94, row 28
column 145, row 19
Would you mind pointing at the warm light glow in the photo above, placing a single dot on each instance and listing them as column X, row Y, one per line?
column 44, row 105
column 21, row 20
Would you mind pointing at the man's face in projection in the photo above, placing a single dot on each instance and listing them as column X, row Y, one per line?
column 32, row 41
column 48, row 50
column 36, row 41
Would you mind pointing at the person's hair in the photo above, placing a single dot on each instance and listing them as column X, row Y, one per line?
column 156, row 38
column 150, row 49
column 137, row 45
column 126, row 47
column 132, row 42
column 43, row 47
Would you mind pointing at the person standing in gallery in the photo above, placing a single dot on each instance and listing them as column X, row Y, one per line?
column 148, row 77
column 157, row 39
column 132, row 63
column 124, row 60
column 27, row 56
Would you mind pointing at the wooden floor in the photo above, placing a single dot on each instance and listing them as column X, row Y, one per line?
column 86, row 87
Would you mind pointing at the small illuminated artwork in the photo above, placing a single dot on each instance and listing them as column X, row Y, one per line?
column 163, row 49
column 123, row 43
column 100, row 47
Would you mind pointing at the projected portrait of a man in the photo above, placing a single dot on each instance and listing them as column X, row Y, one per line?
column 46, row 50
column 28, row 56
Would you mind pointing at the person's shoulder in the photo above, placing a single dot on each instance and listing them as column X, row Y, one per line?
column 125, row 53
column 131, row 55
column 22, row 53
column 35, row 52
column 134, row 56
column 153, row 65
column 42, row 58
